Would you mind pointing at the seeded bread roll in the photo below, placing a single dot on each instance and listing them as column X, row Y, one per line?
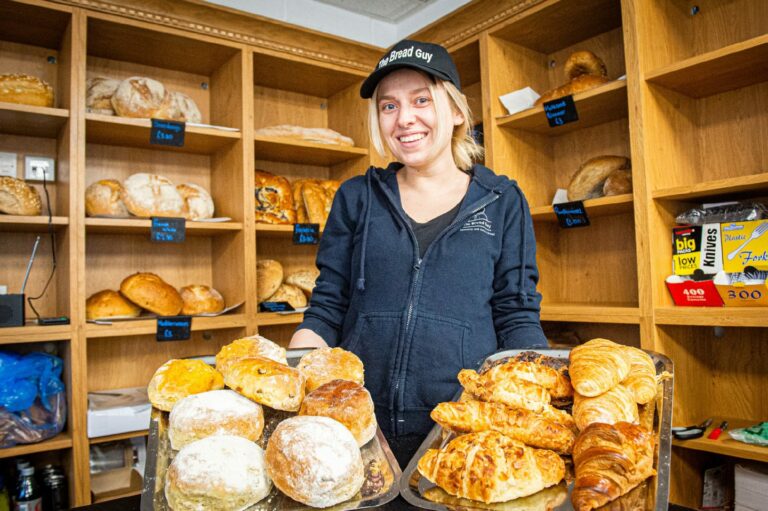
column 269, row 276
column 109, row 304
column 322, row 365
column 198, row 204
column 267, row 382
column 150, row 292
column 179, row 378
column 25, row 89
column 199, row 299
column 256, row 346
column 347, row 402
column 139, row 96
column 105, row 198
column 147, row 195
column 304, row 279
column 18, row 198
column 98, row 95
column 291, row 294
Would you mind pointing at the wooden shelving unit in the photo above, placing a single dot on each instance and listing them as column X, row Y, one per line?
column 280, row 150
column 120, row 436
column 709, row 316
column 273, row 318
column 36, row 121
column 149, row 326
column 35, row 333
column 13, row 223
column 143, row 226
column 603, row 206
column 726, row 445
column 590, row 313
column 756, row 184
column 57, row 443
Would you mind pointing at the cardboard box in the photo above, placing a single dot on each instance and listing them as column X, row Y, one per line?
column 745, row 244
column 717, row 490
column 687, row 292
column 117, row 482
column 118, row 411
column 696, row 249
column 742, row 290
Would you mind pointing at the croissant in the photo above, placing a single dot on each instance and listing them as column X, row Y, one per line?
column 616, row 405
column 609, row 461
column 557, row 384
column 641, row 380
column 597, row 366
column 507, row 390
column 491, row 467
column 516, row 423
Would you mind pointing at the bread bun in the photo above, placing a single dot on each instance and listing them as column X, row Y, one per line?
column 150, row 292
column 587, row 182
column 139, row 96
column 105, row 198
column 181, row 108
column 98, row 95
column 256, row 346
column 218, row 473
column 269, row 276
column 147, row 195
column 314, row 202
column 199, row 299
column 198, row 204
column 274, row 200
column 179, row 378
column 315, row 461
column 25, row 89
column 267, row 382
column 347, row 402
column 618, row 182
column 291, row 294
column 584, row 63
column 322, row 365
column 303, row 279
column 313, row 135
column 18, row 198
column 297, row 188
column 109, row 304
column 216, row 412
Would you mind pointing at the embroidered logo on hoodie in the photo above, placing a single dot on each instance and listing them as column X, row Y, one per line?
column 479, row 222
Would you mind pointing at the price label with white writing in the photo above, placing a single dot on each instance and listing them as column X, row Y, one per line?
column 571, row 214
column 306, row 234
column 167, row 133
column 168, row 229
column 560, row 111
column 275, row 307
column 174, row 328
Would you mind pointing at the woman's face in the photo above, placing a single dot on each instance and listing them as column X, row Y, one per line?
column 408, row 120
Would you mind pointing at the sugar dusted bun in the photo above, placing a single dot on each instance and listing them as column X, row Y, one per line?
column 218, row 473
column 139, row 96
column 199, row 299
column 322, row 365
column 109, row 304
column 25, row 89
column 18, row 198
column 267, row 382
column 150, row 292
column 314, row 460
column 105, row 198
column 179, row 378
column 147, row 195
column 291, row 294
column 347, row 402
column 247, row 347
column 269, row 276
column 198, row 204
column 304, row 279
column 216, row 412
column 98, row 95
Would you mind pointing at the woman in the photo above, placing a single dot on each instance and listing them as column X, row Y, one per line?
column 427, row 266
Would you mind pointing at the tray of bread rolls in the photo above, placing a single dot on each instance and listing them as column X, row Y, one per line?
column 291, row 430
column 551, row 429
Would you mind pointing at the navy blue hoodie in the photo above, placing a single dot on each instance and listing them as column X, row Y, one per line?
column 415, row 323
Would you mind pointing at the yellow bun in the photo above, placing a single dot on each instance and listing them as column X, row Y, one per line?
column 322, row 365
column 179, row 378
column 150, row 292
column 267, row 382
column 109, row 304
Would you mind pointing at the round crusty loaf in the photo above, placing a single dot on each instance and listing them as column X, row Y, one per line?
column 269, row 276
column 619, row 181
column 105, row 198
column 98, row 95
column 304, row 279
column 347, row 402
column 200, row 299
column 180, row 107
column 147, row 195
column 314, row 460
column 587, row 182
column 256, row 346
column 18, row 198
column 179, row 378
column 267, row 382
column 322, row 365
column 218, row 473
column 216, row 412
column 109, row 304
column 139, row 96
column 150, row 292
column 25, row 89
column 291, row 294
column 198, row 204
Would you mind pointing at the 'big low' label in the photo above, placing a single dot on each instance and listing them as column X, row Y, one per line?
column 697, row 248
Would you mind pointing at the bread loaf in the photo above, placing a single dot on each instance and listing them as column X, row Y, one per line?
column 314, row 203
column 249, row 347
column 584, row 62
column 347, row 402
column 267, row 382
column 109, row 304
column 274, row 200
column 179, row 378
column 105, row 198
column 150, row 292
column 98, row 95
column 314, row 135
column 198, row 204
column 315, row 461
column 618, row 182
column 303, row 279
column 213, row 413
column 18, row 198
column 322, row 365
column 297, row 188
column 181, row 108
column 147, row 195
column 141, row 97
column 587, row 182
column 291, row 294
column 269, row 276
column 200, row 299
column 25, row 89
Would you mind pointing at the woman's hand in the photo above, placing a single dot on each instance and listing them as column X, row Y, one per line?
column 306, row 338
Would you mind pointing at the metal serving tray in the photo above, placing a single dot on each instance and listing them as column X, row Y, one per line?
column 382, row 472
column 652, row 495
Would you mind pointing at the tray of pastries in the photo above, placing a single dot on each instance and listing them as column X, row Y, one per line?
column 581, row 429
column 266, row 429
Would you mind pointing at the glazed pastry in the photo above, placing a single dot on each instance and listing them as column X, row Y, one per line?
column 558, row 384
column 615, row 405
column 641, row 380
column 597, row 366
column 509, row 390
column 267, row 382
column 249, row 347
column 274, row 200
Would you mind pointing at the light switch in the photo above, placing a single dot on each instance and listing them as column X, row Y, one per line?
column 8, row 164
column 37, row 166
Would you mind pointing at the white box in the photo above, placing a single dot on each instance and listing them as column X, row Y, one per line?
column 118, row 411
column 519, row 100
column 751, row 486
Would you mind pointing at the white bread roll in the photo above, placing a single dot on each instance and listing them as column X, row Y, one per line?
column 140, row 96
column 198, row 204
column 147, row 195
column 322, row 365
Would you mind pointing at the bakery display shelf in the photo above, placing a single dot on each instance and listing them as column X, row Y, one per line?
column 274, row 230
column 291, row 75
column 31, row 121
column 725, row 69
column 602, row 104
column 110, row 497
column 14, row 223
column 603, row 206
column 149, row 326
column 125, row 131
column 591, row 313
column 308, row 153
column 119, row 436
column 712, row 316
column 35, row 333
column 712, row 189
column 60, row 441
column 725, row 444
column 274, row 318
column 143, row 225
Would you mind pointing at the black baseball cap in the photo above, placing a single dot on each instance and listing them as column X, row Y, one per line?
column 433, row 59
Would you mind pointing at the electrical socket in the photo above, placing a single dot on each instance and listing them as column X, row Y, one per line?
column 37, row 166
column 8, row 164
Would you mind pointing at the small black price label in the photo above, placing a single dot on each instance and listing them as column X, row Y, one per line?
column 571, row 214
column 167, row 133
column 275, row 307
column 174, row 328
column 560, row 111
column 168, row 229
column 306, row 234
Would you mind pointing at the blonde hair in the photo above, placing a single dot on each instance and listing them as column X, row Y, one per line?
column 464, row 149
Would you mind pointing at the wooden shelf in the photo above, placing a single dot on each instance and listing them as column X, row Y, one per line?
column 291, row 75
column 60, row 441
column 119, row 436
column 725, row 444
column 275, row 231
column 149, row 326
column 713, row 316
column 278, row 149
column 756, row 183
column 13, row 223
column 35, row 333
column 273, row 318
column 111, row 497
column 604, row 206
column 591, row 313
column 125, row 131
column 31, row 121
column 722, row 70
column 595, row 106
column 142, row 226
